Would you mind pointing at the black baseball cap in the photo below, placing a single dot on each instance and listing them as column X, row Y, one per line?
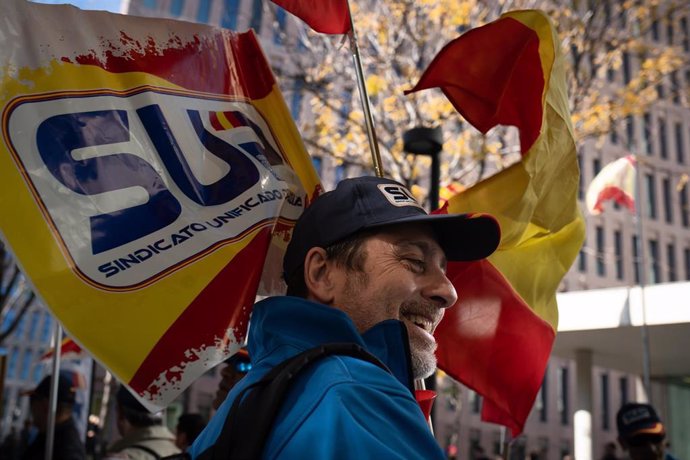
column 363, row 203
column 66, row 392
column 637, row 419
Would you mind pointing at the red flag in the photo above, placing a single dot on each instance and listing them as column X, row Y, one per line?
column 498, row 339
column 69, row 349
column 324, row 16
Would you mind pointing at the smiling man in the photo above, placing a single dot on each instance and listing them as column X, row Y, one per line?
column 366, row 265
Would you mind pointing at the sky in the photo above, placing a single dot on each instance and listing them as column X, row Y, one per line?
column 109, row 5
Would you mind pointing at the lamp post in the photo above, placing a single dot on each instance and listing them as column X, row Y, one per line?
column 427, row 142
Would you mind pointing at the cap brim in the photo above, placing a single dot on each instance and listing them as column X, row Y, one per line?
column 463, row 237
column 657, row 428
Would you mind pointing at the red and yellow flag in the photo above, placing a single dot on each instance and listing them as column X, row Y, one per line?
column 324, row 16
column 148, row 169
column 615, row 182
column 498, row 339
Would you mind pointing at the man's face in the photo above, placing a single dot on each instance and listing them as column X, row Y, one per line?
column 645, row 447
column 39, row 412
column 403, row 278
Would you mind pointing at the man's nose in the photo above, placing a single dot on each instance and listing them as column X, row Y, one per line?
column 439, row 288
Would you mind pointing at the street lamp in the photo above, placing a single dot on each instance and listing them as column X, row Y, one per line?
column 428, row 142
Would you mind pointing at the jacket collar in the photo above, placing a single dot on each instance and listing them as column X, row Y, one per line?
column 300, row 324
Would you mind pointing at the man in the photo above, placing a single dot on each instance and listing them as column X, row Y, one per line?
column 188, row 428
column 640, row 432
column 236, row 368
column 67, row 444
column 143, row 435
column 365, row 265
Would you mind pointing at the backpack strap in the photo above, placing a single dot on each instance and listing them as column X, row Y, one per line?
column 148, row 450
column 255, row 408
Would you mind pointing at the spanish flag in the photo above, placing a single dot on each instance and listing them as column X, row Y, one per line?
column 499, row 337
column 324, row 16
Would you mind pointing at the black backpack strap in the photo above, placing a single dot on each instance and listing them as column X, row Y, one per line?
column 254, row 410
column 148, row 450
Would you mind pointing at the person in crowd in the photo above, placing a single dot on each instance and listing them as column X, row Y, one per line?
column 610, row 451
column 188, row 428
column 236, row 367
column 67, row 444
column 144, row 437
column 366, row 265
column 640, row 432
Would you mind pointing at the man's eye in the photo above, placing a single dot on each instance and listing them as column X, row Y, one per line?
column 416, row 264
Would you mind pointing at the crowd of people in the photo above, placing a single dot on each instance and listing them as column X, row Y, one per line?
column 336, row 357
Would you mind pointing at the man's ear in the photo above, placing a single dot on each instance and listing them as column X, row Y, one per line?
column 317, row 276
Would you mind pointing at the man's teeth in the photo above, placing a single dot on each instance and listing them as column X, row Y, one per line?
column 420, row 321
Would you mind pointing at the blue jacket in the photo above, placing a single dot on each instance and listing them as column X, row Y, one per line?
column 340, row 407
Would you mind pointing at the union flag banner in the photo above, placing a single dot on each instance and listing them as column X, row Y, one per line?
column 499, row 337
column 150, row 177
column 615, row 182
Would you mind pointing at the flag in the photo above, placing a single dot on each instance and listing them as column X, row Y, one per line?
column 324, row 16
column 498, row 339
column 152, row 174
column 69, row 349
column 616, row 181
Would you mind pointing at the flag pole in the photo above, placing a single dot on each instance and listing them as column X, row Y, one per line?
column 50, row 433
column 643, row 278
column 364, row 97
column 371, row 130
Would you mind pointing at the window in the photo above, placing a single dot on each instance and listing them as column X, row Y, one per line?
column 618, row 249
column 685, row 34
column 19, row 330
column 636, row 259
column 581, row 186
column 37, row 374
column 26, row 365
column 33, row 324
column 543, row 398
column 669, row 29
column 230, row 13
column 582, row 259
column 296, row 101
column 660, row 90
column 651, row 196
column 654, row 272
column 281, row 23
column 204, row 12
column 680, row 145
column 668, row 200
column 601, row 258
column 340, row 172
column 626, row 67
column 596, row 166
column 655, row 27
column 257, row 16
column 675, row 87
column 318, row 164
column 475, row 402
column 630, row 130
column 647, row 133
column 686, row 256
column 605, row 409
column 613, row 134
column 623, row 387
column 12, row 363
column 671, row 262
column 176, row 7
column 151, row 4
column 46, row 329
column 684, row 216
column 563, row 403
column 663, row 145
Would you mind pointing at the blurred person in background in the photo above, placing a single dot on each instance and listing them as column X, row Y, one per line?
column 236, row 367
column 188, row 428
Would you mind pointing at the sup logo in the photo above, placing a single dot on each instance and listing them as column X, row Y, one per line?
column 136, row 184
column 398, row 195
